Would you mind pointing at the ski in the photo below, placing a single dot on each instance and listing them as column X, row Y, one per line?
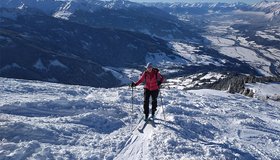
column 147, row 121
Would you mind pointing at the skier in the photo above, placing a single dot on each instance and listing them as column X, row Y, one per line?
column 153, row 80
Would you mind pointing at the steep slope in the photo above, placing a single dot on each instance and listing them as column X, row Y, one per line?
column 31, row 41
column 52, row 121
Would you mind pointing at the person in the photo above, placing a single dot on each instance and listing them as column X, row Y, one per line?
column 153, row 79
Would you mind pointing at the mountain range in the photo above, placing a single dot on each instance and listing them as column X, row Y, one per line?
column 272, row 9
column 38, row 39
column 199, row 8
column 97, row 42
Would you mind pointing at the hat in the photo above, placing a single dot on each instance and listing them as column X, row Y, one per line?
column 149, row 65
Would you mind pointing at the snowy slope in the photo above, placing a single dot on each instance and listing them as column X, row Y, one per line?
column 272, row 9
column 53, row 121
column 265, row 91
column 65, row 8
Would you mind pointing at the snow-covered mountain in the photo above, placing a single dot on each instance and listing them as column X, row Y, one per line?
column 53, row 121
column 106, row 44
column 198, row 8
column 121, row 4
column 272, row 9
column 103, row 44
column 65, row 8
column 43, row 48
column 89, row 33
column 268, row 7
column 238, row 30
column 198, row 5
column 119, row 14
column 31, row 42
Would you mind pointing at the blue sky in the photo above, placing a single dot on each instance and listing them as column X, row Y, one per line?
column 193, row 1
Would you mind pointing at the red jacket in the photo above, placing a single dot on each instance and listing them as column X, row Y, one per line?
column 151, row 79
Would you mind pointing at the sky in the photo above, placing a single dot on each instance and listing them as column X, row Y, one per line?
column 193, row 1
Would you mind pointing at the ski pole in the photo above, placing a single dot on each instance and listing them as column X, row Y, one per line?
column 162, row 105
column 131, row 94
column 132, row 98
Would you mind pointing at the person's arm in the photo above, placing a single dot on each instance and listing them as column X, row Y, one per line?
column 142, row 79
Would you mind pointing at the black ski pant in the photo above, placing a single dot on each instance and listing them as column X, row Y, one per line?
column 147, row 95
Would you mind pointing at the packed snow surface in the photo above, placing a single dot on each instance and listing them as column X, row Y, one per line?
column 41, row 120
column 265, row 91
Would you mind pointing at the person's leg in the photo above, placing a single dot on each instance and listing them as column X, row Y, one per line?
column 154, row 101
column 147, row 95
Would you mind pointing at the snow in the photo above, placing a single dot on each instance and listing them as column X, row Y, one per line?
column 162, row 60
column 7, row 67
column 62, row 15
column 217, row 29
column 243, row 54
column 222, row 42
column 253, row 13
column 247, row 51
column 124, row 75
column 39, row 65
column 230, row 42
column 188, row 52
column 249, row 56
column 265, row 90
column 266, row 4
column 275, row 53
column 21, row 7
column 119, row 74
column 40, row 120
column 183, row 83
column 184, row 48
column 212, row 75
column 57, row 63
column 265, row 35
column 272, row 9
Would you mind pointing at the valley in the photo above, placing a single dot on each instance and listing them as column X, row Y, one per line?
column 180, row 39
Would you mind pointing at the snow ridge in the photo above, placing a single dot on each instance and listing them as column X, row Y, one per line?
column 41, row 120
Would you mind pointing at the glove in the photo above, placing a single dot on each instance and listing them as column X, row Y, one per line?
column 158, row 83
column 133, row 84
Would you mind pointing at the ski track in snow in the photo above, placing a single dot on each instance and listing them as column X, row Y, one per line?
column 40, row 120
column 138, row 144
